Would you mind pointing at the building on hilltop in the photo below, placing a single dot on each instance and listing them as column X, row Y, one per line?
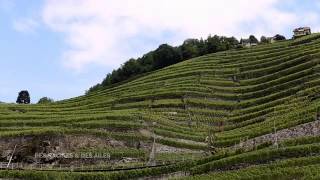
column 247, row 43
column 301, row 31
column 271, row 40
column 276, row 38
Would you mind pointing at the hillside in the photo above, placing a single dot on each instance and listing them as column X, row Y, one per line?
column 249, row 113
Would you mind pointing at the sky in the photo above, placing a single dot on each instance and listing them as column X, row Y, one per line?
column 60, row 48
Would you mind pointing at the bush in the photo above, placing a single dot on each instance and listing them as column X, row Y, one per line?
column 45, row 100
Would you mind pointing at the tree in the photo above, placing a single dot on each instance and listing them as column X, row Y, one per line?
column 279, row 37
column 263, row 40
column 166, row 55
column 213, row 44
column 189, row 48
column 23, row 98
column 253, row 39
column 232, row 41
column 45, row 100
column 130, row 68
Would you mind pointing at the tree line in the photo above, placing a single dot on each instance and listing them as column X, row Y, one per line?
column 166, row 55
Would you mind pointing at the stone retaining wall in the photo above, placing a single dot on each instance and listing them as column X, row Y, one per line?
column 307, row 129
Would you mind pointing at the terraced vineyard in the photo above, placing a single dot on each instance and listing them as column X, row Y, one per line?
column 250, row 113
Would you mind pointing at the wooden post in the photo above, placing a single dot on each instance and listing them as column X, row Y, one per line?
column 275, row 134
column 186, row 108
column 152, row 156
column 240, row 143
column 221, row 126
column 11, row 156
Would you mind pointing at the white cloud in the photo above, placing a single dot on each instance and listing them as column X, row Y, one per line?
column 99, row 31
column 25, row 25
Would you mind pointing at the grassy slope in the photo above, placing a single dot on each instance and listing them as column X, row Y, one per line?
column 249, row 91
